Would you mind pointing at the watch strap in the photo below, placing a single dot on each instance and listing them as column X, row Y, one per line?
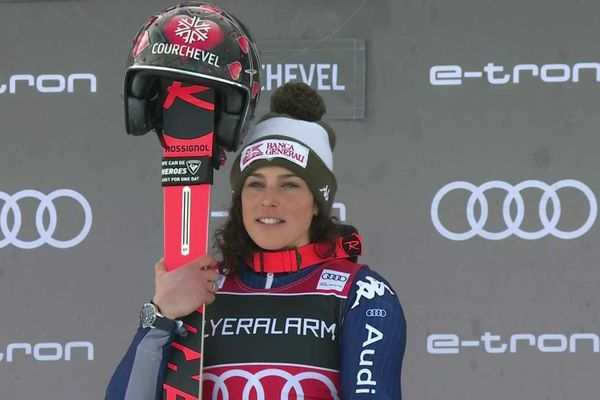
column 163, row 322
column 160, row 321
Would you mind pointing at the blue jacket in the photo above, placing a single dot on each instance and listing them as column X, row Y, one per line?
column 373, row 339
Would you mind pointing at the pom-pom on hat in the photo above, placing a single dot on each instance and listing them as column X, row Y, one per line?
column 292, row 136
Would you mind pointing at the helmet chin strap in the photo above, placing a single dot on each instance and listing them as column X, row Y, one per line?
column 292, row 260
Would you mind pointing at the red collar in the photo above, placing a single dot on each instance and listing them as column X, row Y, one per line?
column 292, row 260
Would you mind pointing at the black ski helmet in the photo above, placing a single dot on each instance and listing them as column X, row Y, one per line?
column 195, row 43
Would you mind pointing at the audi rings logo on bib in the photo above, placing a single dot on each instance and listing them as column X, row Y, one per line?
column 332, row 280
column 549, row 210
column 46, row 219
column 270, row 381
column 335, row 277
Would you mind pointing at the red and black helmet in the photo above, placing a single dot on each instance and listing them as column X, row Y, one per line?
column 200, row 44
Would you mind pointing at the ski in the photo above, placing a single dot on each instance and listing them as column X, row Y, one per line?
column 192, row 69
column 187, row 171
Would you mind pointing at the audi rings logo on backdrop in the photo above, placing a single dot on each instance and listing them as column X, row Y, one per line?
column 513, row 225
column 45, row 232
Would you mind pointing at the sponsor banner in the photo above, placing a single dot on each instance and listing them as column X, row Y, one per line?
column 491, row 343
column 497, row 74
column 47, row 351
column 366, row 382
column 186, row 51
column 272, row 381
column 336, row 68
column 376, row 312
column 48, row 83
column 275, row 148
column 237, row 331
column 549, row 210
column 369, row 288
column 15, row 209
column 185, row 171
column 333, row 280
column 287, row 326
column 186, row 148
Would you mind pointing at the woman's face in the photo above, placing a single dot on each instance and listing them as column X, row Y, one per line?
column 277, row 208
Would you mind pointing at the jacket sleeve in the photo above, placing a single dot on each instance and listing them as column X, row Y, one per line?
column 373, row 340
column 140, row 373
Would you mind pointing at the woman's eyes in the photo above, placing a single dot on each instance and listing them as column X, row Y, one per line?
column 258, row 184
column 254, row 184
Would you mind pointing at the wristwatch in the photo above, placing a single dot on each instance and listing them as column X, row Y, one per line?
column 150, row 317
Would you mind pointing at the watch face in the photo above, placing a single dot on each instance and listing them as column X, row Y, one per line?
column 147, row 315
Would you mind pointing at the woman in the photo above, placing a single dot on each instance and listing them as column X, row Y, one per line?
column 294, row 315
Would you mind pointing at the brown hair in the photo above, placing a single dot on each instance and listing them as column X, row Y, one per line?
column 235, row 245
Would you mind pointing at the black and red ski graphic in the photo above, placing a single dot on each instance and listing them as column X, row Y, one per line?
column 187, row 171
